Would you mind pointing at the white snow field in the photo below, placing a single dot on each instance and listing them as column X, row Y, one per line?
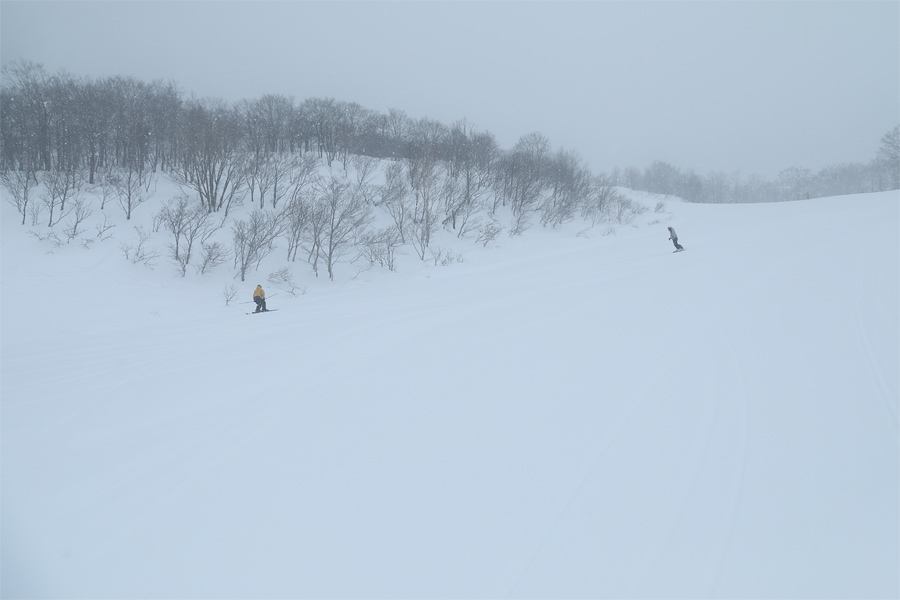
column 564, row 414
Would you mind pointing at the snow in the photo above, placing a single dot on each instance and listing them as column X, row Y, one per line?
column 562, row 414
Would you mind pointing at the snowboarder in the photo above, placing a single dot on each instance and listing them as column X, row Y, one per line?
column 259, row 296
column 674, row 237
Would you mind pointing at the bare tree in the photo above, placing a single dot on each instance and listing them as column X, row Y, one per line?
column 397, row 126
column 81, row 211
column 489, row 232
column 229, row 293
column 27, row 116
column 271, row 174
column 254, row 239
column 284, row 279
column 569, row 183
column 188, row 224
column 889, row 155
column 61, row 186
column 425, row 181
column 425, row 177
column 324, row 116
column 794, row 183
column 214, row 254
column 521, row 177
column 393, row 195
column 129, row 187
column 381, row 247
column 602, row 195
column 304, row 171
column 353, row 120
column 890, row 146
column 281, row 172
column 104, row 188
column 103, row 228
column 34, row 210
column 297, row 218
column 213, row 165
column 363, row 169
column 141, row 252
column 272, row 115
column 95, row 106
column 340, row 214
column 623, row 210
column 472, row 167
column 20, row 184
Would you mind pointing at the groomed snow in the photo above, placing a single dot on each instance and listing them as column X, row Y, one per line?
column 563, row 414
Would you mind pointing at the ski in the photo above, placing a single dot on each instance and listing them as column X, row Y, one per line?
column 262, row 311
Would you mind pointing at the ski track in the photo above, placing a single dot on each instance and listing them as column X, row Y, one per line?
column 874, row 255
column 569, row 497
column 698, row 330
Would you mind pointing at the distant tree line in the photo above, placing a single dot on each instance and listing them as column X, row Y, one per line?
column 63, row 123
column 60, row 122
column 879, row 174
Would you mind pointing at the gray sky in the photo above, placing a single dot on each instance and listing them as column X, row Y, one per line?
column 753, row 87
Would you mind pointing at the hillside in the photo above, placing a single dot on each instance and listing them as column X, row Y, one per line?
column 569, row 413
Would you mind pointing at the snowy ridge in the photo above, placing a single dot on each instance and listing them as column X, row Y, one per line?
column 562, row 414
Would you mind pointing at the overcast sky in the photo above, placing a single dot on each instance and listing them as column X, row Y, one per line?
column 753, row 87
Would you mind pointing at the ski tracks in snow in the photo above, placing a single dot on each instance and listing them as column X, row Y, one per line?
column 877, row 269
column 653, row 510
column 689, row 561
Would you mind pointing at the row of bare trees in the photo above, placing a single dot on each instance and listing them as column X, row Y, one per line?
column 119, row 128
column 368, row 208
column 51, row 196
column 122, row 131
column 327, row 217
column 879, row 174
column 60, row 122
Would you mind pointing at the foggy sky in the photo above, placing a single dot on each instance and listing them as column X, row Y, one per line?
column 754, row 87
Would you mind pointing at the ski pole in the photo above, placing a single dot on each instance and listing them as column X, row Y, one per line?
column 252, row 301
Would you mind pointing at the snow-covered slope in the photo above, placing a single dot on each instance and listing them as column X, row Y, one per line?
column 558, row 415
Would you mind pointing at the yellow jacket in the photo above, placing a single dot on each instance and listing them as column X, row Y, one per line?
column 259, row 292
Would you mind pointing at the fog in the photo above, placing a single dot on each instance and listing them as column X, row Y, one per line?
column 753, row 87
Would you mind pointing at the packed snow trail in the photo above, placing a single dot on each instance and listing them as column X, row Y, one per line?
column 560, row 417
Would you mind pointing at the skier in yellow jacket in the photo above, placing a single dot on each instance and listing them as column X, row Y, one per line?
column 259, row 296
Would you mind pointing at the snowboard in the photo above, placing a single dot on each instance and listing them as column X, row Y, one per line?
column 262, row 311
column 679, row 250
